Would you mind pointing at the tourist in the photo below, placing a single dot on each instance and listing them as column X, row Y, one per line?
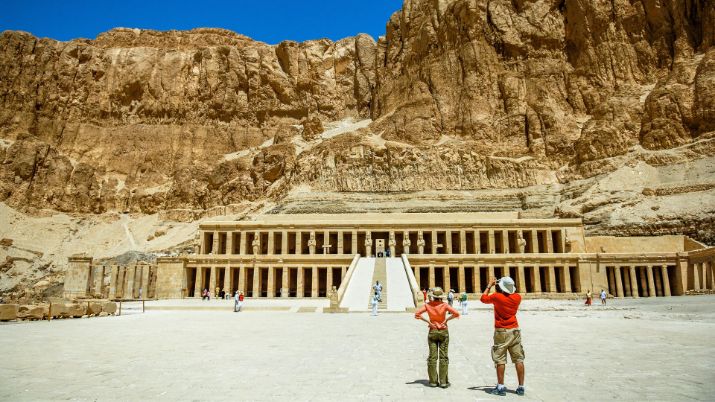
column 374, row 302
column 450, row 297
column 240, row 301
column 437, row 337
column 235, row 302
column 603, row 297
column 216, row 292
column 463, row 303
column 588, row 297
column 205, row 294
column 378, row 290
column 221, row 294
column 507, row 335
column 424, row 295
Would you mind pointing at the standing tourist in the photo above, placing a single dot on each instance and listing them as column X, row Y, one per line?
column 378, row 290
column 603, row 297
column 240, row 301
column 507, row 335
column 437, row 337
column 235, row 302
column 375, row 300
column 205, row 294
column 589, row 297
column 463, row 301
column 450, row 297
column 424, row 295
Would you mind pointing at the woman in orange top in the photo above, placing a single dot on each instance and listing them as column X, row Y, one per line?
column 438, row 336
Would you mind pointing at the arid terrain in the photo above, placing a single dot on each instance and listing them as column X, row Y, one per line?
column 119, row 146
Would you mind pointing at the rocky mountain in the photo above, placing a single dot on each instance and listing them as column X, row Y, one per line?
column 598, row 109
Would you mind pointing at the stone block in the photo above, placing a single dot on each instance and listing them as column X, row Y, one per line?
column 76, row 310
column 94, row 308
column 109, row 307
column 32, row 312
column 8, row 312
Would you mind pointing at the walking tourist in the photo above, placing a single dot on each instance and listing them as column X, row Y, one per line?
column 235, row 302
column 507, row 335
column 463, row 301
column 450, row 297
column 603, row 297
column 589, row 297
column 374, row 302
column 437, row 337
column 378, row 290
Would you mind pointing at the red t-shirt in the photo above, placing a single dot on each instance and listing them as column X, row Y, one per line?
column 505, row 308
column 240, row 297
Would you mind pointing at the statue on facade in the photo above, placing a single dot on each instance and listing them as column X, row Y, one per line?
column 392, row 242
column 521, row 242
column 312, row 243
column 406, row 243
column 368, row 240
column 333, row 297
column 567, row 242
column 256, row 244
column 420, row 243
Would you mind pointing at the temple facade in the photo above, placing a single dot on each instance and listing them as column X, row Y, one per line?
column 307, row 255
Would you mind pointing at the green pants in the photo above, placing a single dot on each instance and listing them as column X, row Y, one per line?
column 438, row 341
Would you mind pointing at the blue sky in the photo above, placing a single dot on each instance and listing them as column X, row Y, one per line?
column 267, row 21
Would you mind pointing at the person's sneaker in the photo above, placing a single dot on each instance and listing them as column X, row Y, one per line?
column 444, row 385
column 497, row 391
column 433, row 385
column 520, row 391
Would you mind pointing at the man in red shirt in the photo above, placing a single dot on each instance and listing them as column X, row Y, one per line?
column 438, row 336
column 507, row 335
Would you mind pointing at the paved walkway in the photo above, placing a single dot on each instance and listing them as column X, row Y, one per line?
column 657, row 349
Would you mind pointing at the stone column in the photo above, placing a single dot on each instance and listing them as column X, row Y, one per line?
column 634, row 283
column 505, row 241
column 329, row 280
column 229, row 242
column 712, row 274
column 447, row 243
column 145, row 281
column 113, row 282
column 619, row 284
column 271, row 288
column 463, row 241
column 666, row 281
column 434, row 242
column 492, row 248
column 271, row 250
column 129, row 282
column 490, row 273
column 651, row 281
column 447, row 278
column 549, row 241
column 477, row 279
column 477, row 242
column 314, row 283
column 285, row 289
column 284, row 242
column 340, row 242
column 460, row 279
column 391, row 242
column 520, row 282
column 214, row 245
column 563, row 242
column 354, row 241
column 417, row 276
column 242, row 243
column 256, row 281
column 242, row 279
column 552, row 279
column 227, row 279
column 199, row 278
column 430, row 282
column 537, row 278
column 368, row 243
column 299, row 285
column 696, row 277
column 534, row 241
column 567, row 279
column 326, row 243
column 420, row 242
column 212, row 282
column 298, row 243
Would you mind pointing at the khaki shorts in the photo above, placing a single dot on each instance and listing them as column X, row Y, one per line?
column 507, row 339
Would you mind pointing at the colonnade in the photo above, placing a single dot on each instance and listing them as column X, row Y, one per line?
column 473, row 278
column 410, row 241
column 264, row 280
column 641, row 280
column 701, row 276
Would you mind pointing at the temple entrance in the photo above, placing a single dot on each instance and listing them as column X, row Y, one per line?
column 190, row 281
column 292, row 282
column 380, row 247
column 322, row 282
column 307, row 281
column 249, row 282
column 263, row 282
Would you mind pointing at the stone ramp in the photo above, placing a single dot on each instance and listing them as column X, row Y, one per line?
column 398, row 286
column 356, row 295
column 379, row 274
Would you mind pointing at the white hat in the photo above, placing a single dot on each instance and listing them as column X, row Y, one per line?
column 506, row 284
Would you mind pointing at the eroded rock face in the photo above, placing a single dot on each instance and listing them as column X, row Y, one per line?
column 462, row 95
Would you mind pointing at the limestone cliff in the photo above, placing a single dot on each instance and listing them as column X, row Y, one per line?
column 553, row 104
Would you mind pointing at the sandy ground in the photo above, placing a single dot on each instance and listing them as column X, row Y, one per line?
column 648, row 349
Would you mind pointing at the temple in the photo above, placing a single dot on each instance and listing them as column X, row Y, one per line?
column 310, row 255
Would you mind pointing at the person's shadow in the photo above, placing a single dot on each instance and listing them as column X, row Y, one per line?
column 423, row 382
column 488, row 389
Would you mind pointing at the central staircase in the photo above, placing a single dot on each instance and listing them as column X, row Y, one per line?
column 379, row 274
